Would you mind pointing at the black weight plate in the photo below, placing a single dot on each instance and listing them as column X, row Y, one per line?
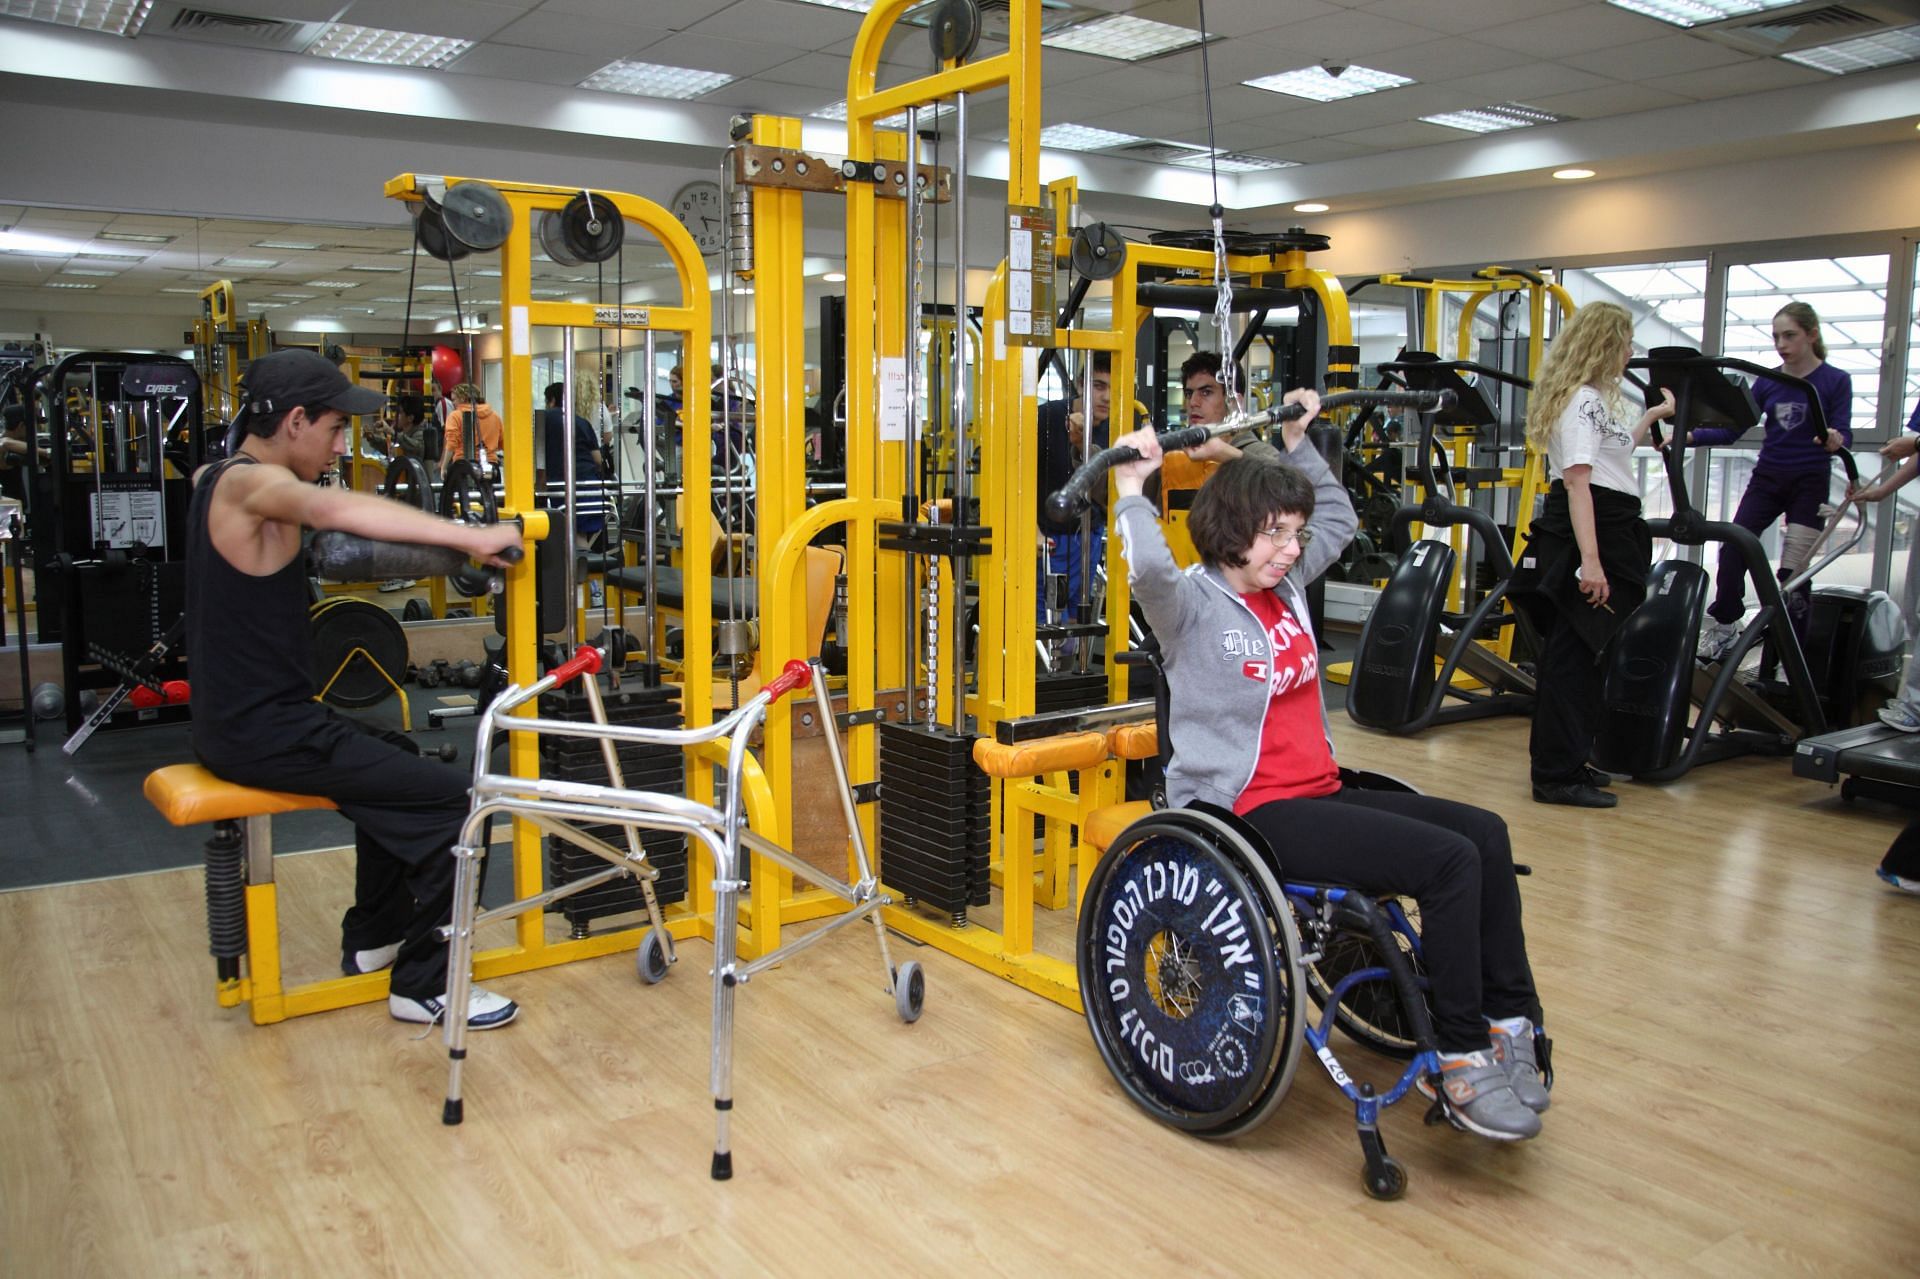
column 416, row 610
column 1098, row 252
column 591, row 228
column 954, row 29
column 467, row 495
column 553, row 241
column 342, row 624
column 1178, row 976
column 476, row 215
column 430, row 233
column 407, row 482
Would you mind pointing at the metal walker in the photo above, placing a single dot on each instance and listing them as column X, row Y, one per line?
column 563, row 808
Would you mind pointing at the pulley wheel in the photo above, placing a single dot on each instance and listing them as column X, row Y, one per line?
column 553, row 242
column 476, row 215
column 954, row 29
column 341, row 625
column 1295, row 237
column 591, row 228
column 1098, row 252
column 430, row 233
column 407, row 482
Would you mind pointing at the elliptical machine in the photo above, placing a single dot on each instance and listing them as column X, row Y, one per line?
column 1394, row 685
column 1652, row 680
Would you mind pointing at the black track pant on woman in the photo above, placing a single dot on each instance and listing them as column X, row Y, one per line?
column 406, row 813
column 1567, row 679
column 1454, row 860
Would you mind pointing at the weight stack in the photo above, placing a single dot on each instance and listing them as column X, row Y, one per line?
column 642, row 767
column 936, row 817
column 1069, row 690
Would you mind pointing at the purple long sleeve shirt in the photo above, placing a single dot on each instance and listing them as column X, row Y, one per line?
column 1790, row 444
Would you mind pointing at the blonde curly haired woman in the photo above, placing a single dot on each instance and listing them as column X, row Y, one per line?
column 1589, row 550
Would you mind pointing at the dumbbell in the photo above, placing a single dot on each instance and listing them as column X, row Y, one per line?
column 445, row 752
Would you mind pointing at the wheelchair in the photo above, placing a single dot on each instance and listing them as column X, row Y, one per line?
column 1194, row 951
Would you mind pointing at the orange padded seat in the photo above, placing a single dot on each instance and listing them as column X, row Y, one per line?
column 188, row 795
column 1106, row 823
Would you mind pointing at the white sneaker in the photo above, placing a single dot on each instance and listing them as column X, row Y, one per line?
column 1904, row 716
column 355, row 962
column 485, row 1010
column 1717, row 639
column 393, row 584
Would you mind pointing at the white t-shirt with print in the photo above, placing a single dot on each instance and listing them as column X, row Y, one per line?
column 1587, row 435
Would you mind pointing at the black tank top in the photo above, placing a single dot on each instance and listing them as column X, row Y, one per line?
column 249, row 643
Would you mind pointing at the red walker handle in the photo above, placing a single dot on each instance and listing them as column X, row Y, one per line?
column 796, row 674
column 585, row 660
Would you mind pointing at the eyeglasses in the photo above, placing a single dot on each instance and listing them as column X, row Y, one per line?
column 1282, row 538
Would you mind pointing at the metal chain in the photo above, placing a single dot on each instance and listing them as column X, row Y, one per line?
column 1223, row 312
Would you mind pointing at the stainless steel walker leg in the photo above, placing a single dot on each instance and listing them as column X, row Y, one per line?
column 726, row 913
column 466, row 904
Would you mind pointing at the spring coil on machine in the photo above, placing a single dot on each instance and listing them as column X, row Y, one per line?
column 226, row 898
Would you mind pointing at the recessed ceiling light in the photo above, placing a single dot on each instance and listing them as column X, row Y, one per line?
column 898, row 120
column 1493, row 119
column 1691, row 13
column 172, row 288
column 297, row 297
column 333, row 284
column 387, row 48
column 1572, row 175
column 433, row 288
column 112, row 257
column 1883, row 49
column 1124, row 37
column 247, row 264
column 377, row 270
column 1233, row 162
column 835, row 277
column 551, row 293
column 131, row 238
column 77, row 270
column 298, row 246
column 1321, row 85
column 1311, row 206
column 115, row 17
column 1082, row 137
column 391, row 301
column 63, row 284
column 654, row 80
column 851, row 6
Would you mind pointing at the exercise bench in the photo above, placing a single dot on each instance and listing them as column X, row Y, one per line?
column 243, row 919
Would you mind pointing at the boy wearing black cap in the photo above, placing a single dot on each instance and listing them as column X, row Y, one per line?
column 255, row 720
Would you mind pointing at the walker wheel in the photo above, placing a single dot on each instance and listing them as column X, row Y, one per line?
column 1388, row 1182
column 652, row 959
column 910, row 990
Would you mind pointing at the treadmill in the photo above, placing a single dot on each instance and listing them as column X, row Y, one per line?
column 1870, row 759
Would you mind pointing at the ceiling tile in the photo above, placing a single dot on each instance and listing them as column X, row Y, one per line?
column 1589, row 27
column 468, row 20
column 1325, row 150
column 768, row 98
column 1235, row 17
column 1668, row 55
column 796, row 26
column 1435, row 61
column 814, row 70
column 1410, row 133
column 1462, row 16
column 540, row 66
column 1754, row 76
column 577, row 33
column 1525, row 81
column 1346, row 36
column 675, row 15
column 735, row 57
column 1608, row 100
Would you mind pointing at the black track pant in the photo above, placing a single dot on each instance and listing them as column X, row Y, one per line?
column 1454, row 860
column 1567, row 680
column 406, row 813
column 1903, row 855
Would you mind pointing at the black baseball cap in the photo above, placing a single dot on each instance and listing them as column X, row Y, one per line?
column 285, row 380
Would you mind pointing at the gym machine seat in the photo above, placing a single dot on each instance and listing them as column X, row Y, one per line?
column 243, row 919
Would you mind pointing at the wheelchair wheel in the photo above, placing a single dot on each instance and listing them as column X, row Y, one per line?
column 1189, row 969
column 1371, row 1014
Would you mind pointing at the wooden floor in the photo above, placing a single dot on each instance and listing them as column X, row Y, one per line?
column 1735, row 1001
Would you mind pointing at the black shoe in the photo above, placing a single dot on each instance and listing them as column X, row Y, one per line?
column 1576, row 794
column 1594, row 777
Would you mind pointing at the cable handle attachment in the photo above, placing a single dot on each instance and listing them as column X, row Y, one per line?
column 1073, row 499
column 586, row 660
column 796, row 674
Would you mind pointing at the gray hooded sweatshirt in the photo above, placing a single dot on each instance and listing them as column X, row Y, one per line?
column 1207, row 633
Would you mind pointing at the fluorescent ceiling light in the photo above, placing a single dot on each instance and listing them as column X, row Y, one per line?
column 1503, row 115
column 173, row 288
column 297, row 297
column 394, row 301
column 298, row 246
column 333, row 284
column 1572, row 175
column 132, row 238
column 112, row 257
column 433, row 288
column 1884, row 49
column 898, row 120
column 380, row 270
column 851, row 6
column 387, row 48
column 1081, row 137
column 80, row 270
column 1233, row 162
column 835, row 277
column 653, row 80
column 1322, row 85
column 1311, row 206
column 551, row 293
column 247, row 264
column 1692, row 13
column 115, row 17
column 1124, row 37
column 62, row 284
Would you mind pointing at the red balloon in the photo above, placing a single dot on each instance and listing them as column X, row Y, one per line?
column 448, row 369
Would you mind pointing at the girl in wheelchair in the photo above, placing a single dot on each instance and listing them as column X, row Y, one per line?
column 1249, row 735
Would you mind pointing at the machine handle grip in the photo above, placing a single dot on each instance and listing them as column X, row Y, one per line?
column 585, row 661
column 796, row 674
column 1073, row 498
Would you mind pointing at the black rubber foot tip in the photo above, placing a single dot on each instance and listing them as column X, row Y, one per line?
column 453, row 1112
column 723, row 1165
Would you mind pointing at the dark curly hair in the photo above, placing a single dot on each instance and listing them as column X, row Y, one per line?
column 1239, row 501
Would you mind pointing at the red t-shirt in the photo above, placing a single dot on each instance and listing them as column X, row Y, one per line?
column 1295, row 760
